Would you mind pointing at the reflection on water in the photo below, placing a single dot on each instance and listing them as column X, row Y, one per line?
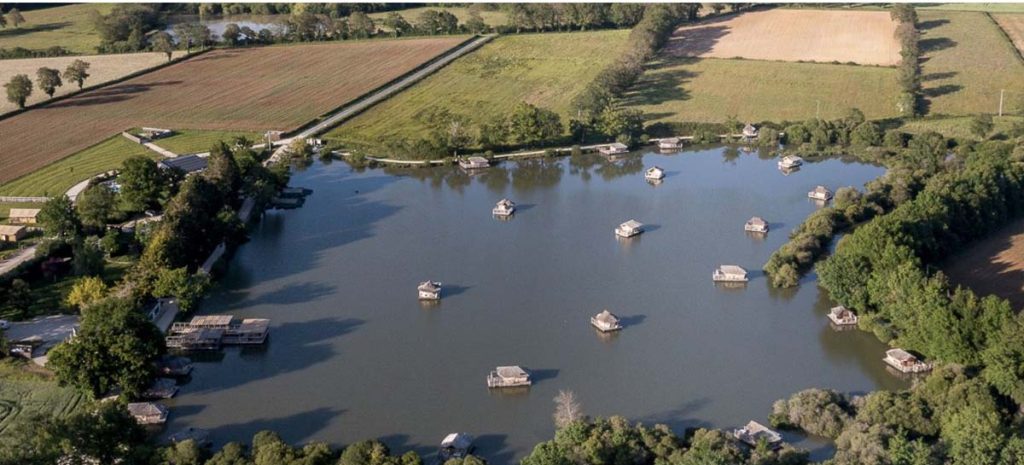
column 355, row 355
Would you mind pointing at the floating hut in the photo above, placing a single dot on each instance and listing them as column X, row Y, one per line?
column 750, row 131
column 170, row 365
column 504, row 207
column 606, row 322
column 754, row 432
column 613, row 149
column 730, row 274
column 148, row 413
column 250, row 331
column 905, row 362
column 510, row 376
column 756, row 224
column 629, row 229
column 820, row 193
column 162, row 388
column 429, row 290
column 455, row 446
column 790, row 162
column 654, row 173
column 198, row 435
column 841, row 316
column 473, row 163
column 671, row 143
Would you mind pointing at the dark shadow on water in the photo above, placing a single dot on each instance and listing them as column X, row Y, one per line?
column 680, row 419
column 294, row 293
column 542, row 374
column 632, row 320
column 648, row 228
column 293, row 429
column 524, row 206
column 450, row 290
column 494, row 448
column 399, row 444
column 776, row 226
column 669, row 174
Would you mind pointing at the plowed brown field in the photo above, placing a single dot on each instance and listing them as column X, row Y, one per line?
column 257, row 89
column 1013, row 24
column 862, row 37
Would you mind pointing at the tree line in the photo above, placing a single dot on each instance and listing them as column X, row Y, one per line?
column 19, row 88
column 908, row 102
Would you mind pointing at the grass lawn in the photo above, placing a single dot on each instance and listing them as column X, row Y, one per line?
column 110, row 154
column 5, row 209
column 959, row 126
column 48, row 297
column 25, row 391
column 967, row 60
column 987, row 7
column 692, row 89
column 65, row 26
column 546, row 70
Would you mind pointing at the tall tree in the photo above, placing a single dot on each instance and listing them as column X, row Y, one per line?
column 164, row 43
column 58, row 218
column 142, row 183
column 96, row 205
column 567, row 409
column 77, row 72
column 360, row 25
column 231, row 33
column 19, row 89
column 48, row 80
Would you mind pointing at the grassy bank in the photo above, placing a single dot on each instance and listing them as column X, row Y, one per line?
column 691, row 89
column 27, row 392
column 546, row 70
column 958, row 127
column 65, row 26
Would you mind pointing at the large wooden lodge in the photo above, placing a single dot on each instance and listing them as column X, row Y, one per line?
column 210, row 332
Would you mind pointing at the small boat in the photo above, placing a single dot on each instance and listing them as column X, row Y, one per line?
column 756, row 224
column 820, row 193
column 753, row 432
column 629, row 229
column 504, row 207
column 790, row 161
column 455, row 446
column 429, row 290
column 654, row 173
column 841, row 316
column 606, row 322
column 508, row 376
column 730, row 274
column 905, row 362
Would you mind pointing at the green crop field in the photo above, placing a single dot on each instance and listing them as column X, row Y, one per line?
column 690, row 89
column 58, row 177
column 24, row 394
column 546, row 70
column 967, row 61
column 65, row 26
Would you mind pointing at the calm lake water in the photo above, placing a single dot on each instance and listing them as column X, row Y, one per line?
column 353, row 354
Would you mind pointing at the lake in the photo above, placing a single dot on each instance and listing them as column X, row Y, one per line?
column 353, row 355
column 256, row 23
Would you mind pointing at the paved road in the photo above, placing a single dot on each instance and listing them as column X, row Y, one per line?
column 18, row 258
column 384, row 93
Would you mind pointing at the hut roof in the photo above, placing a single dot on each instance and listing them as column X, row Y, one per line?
column 146, row 409
column 791, row 158
column 839, row 310
column 23, row 213
column 821, row 189
column 506, row 202
column 631, row 224
column 670, row 140
column 430, row 286
column 254, row 324
column 732, row 269
column 511, row 372
column 606, row 317
column 654, row 169
column 10, row 229
column 757, row 220
column 477, row 159
column 457, row 441
column 901, row 355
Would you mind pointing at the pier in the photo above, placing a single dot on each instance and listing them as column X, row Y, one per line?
column 214, row 331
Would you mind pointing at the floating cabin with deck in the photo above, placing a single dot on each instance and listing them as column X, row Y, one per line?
column 750, row 132
column 606, row 322
column 504, row 207
column 729, row 274
column 670, row 144
column 210, row 332
column 455, row 446
column 820, row 193
column 756, row 225
column 473, row 163
column 654, row 173
column 613, row 149
column 429, row 290
column 508, row 376
column 148, row 413
column 905, row 362
column 629, row 229
column 754, row 432
column 790, row 161
column 841, row 316
column 23, row 215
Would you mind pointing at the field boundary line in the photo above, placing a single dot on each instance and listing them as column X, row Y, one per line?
column 1006, row 36
column 101, row 85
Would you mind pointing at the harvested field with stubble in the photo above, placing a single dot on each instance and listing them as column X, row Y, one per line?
column 103, row 68
column 994, row 265
column 254, row 89
column 824, row 36
column 1013, row 25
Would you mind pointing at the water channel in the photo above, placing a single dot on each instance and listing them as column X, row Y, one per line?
column 353, row 355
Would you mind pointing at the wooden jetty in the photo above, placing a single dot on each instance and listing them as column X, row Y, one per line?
column 841, row 316
column 148, row 413
column 629, row 229
column 210, row 332
column 754, row 432
column 756, row 224
column 455, row 446
column 294, row 192
column 790, row 162
column 820, row 193
column 729, row 274
column 473, row 163
column 504, row 207
column 508, row 376
column 905, row 362
column 606, row 322
column 654, row 173
column 429, row 290
column 613, row 149
column 162, row 388
column 285, row 203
